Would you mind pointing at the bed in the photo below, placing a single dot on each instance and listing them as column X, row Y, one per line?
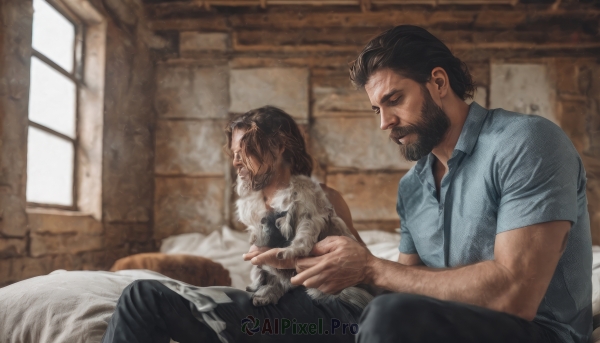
column 75, row 306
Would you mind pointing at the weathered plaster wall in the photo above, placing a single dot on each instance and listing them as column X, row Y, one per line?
column 37, row 241
column 15, row 43
column 297, row 58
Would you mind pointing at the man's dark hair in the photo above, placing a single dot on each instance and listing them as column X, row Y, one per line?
column 268, row 129
column 412, row 52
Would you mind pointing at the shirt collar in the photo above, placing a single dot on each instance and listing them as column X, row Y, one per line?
column 466, row 141
column 471, row 128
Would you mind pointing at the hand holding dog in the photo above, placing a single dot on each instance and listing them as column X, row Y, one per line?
column 338, row 262
column 259, row 256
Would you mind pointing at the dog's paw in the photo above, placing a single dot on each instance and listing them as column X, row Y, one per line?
column 315, row 294
column 263, row 300
column 294, row 251
column 251, row 288
column 285, row 254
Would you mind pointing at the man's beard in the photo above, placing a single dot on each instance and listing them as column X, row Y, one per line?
column 256, row 182
column 262, row 180
column 430, row 130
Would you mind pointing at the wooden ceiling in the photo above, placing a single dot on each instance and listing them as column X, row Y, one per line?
column 363, row 4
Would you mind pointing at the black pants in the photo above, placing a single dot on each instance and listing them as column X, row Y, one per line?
column 148, row 312
column 409, row 318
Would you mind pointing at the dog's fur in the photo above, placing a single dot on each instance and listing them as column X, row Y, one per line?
column 301, row 216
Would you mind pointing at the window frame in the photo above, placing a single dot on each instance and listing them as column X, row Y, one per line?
column 76, row 76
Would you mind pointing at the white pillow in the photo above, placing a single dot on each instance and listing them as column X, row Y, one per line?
column 63, row 307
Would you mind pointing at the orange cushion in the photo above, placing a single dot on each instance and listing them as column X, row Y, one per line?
column 195, row 270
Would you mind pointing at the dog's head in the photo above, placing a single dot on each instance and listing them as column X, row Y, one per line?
column 268, row 234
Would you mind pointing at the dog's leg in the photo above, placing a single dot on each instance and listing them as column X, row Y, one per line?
column 258, row 277
column 272, row 291
column 307, row 234
column 284, row 224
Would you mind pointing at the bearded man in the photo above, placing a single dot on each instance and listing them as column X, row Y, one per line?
column 495, row 233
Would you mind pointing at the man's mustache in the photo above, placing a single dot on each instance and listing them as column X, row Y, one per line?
column 400, row 131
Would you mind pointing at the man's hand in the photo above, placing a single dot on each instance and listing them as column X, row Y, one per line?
column 339, row 262
column 259, row 256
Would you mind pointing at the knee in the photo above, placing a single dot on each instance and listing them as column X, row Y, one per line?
column 143, row 285
column 392, row 316
column 396, row 306
column 140, row 289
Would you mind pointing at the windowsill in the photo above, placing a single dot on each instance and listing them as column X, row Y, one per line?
column 56, row 211
column 57, row 221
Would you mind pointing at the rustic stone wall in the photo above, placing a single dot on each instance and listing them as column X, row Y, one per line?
column 297, row 58
column 37, row 241
column 192, row 103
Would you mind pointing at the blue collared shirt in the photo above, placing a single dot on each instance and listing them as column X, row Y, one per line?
column 507, row 171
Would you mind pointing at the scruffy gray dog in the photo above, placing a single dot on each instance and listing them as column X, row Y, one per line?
column 301, row 216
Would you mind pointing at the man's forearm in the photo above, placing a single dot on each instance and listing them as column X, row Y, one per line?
column 487, row 284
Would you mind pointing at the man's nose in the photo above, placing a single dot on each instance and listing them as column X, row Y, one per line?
column 388, row 120
column 237, row 160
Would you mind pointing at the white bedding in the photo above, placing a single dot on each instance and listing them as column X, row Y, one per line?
column 75, row 306
column 63, row 306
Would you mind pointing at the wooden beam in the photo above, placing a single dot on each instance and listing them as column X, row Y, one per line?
column 312, row 61
column 352, row 39
column 327, row 48
column 429, row 18
column 186, row 9
column 208, row 24
column 526, row 46
column 476, row 2
column 290, row 48
column 313, row 2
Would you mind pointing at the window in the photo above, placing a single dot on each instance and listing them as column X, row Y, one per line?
column 64, row 144
column 54, row 82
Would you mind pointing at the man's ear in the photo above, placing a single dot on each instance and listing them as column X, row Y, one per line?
column 440, row 80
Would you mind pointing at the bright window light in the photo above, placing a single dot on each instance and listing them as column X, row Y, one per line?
column 52, row 98
column 49, row 169
column 53, row 34
column 52, row 140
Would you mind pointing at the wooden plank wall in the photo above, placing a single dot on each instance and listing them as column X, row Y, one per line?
column 325, row 39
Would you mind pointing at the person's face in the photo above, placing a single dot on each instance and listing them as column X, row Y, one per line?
column 261, row 177
column 242, row 171
column 406, row 108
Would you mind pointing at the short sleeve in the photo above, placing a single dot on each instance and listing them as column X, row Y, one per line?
column 407, row 245
column 539, row 176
